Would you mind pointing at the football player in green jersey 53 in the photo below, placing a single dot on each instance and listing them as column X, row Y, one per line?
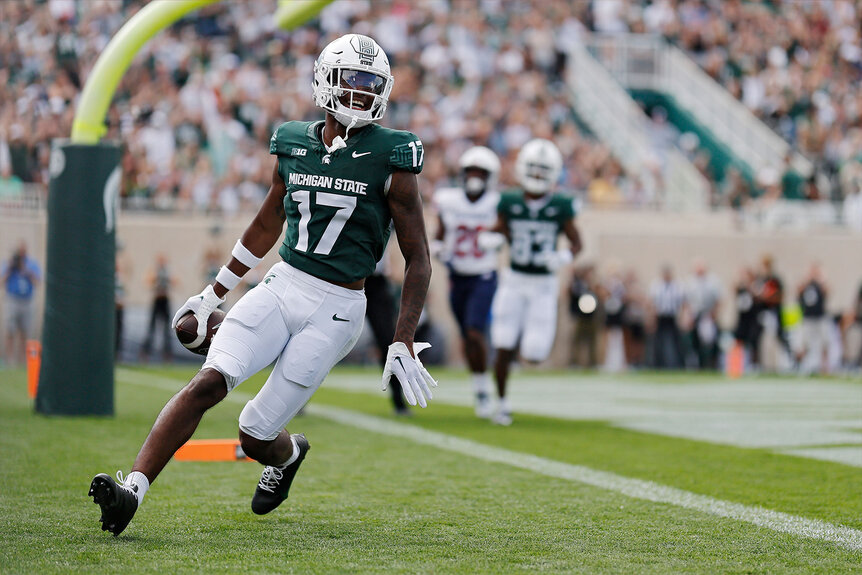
column 338, row 183
column 525, row 306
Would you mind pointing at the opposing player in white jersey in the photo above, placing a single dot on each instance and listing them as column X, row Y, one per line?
column 337, row 184
column 463, row 213
column 525, row 307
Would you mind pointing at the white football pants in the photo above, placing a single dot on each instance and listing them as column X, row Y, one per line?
column 303, row 323
column 525, row 308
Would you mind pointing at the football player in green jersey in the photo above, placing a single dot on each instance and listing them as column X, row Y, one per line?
column 525, row 305
column 338, row 183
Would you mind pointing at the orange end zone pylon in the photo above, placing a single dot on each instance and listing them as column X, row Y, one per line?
column 211, row 450
column 735, row 361
column 34, row 362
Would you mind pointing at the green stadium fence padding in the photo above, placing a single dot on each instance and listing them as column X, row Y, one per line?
column 77, row 371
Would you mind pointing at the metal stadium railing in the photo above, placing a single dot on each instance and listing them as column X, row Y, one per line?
column 616, row 119
column 648, row 62
column 26, row 199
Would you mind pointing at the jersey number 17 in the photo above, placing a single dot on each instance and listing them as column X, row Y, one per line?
column 345, row 206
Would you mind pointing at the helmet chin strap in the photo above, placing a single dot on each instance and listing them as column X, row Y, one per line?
column 338, row 142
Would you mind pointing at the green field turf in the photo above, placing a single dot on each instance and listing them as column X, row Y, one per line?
column 384, row 502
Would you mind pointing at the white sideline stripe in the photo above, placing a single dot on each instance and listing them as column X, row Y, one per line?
column 636, row 488
column 846, row 537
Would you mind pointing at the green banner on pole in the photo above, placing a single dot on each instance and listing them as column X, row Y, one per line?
column 77, row 372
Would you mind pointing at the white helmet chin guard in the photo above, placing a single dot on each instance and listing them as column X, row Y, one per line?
column 484, row 159
column 538, row 166
column 352, row 80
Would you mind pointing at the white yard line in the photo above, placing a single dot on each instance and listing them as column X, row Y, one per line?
column 636, row 488
column 821, row 418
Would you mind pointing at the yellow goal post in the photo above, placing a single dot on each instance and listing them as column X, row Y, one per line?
column 88, row 126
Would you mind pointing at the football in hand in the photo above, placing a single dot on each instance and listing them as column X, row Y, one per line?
column 187, row 331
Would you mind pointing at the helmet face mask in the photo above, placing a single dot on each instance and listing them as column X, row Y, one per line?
column 540, row 172
column 479, row 169
column 362, row 81
column 352, row 80
column 358, row 90
column 476, row 181
column 538, row 166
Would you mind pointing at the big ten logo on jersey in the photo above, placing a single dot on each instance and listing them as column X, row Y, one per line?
column 329, row 182
column 299, row 152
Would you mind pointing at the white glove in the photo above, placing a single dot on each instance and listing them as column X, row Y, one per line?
column 557, row 259
column 490, row 241
column 202, row 305
column 411, row 374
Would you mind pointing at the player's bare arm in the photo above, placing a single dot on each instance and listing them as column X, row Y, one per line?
column 406, row 208
column 494, row 238
column 502, row 227
column 441, row 230
column 574, row 237
column 263, row 231
column 438, row 244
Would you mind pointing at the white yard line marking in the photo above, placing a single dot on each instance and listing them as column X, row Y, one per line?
column 777, row 414
column 639, row 489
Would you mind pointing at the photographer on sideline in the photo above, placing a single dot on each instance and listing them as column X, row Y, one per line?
column 20, row 274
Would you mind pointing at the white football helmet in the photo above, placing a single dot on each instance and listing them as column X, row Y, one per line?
column 484, row 159
column 538, row 166
column 349, row 71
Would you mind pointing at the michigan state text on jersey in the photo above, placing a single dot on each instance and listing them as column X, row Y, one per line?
column 336, row 208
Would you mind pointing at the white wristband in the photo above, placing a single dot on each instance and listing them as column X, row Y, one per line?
column 227, row 278
column 245, row 257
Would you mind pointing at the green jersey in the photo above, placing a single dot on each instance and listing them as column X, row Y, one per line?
column 533, row 228
column 338, row 218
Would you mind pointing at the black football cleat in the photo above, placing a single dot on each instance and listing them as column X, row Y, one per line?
column 118, row 503
column 275, row 483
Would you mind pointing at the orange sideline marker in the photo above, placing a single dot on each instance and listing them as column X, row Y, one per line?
column 735, row 361
column 211, row 450
column 34, row 363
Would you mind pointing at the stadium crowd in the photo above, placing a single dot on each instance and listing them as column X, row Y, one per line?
column 196, row 106
column 795, row 65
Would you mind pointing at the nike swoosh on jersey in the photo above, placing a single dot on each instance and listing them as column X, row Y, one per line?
column 336, row 318
column 355, row 155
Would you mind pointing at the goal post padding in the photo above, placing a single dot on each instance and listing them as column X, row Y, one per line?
column 77, row 370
